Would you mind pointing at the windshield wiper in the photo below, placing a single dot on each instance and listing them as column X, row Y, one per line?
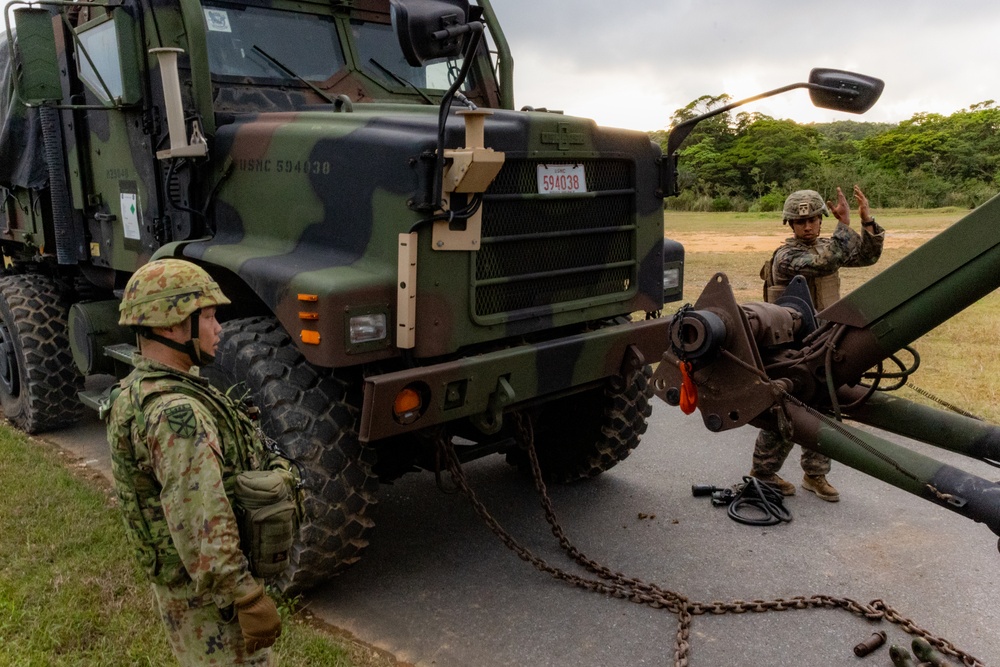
column 277, row 63
column 400, row 79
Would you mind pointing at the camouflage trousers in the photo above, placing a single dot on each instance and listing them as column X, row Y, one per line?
column 200, row 634
column 771, row 450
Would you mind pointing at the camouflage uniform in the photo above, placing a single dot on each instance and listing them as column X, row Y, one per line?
column 825, row 257
column 820, row 260
column 177, row 445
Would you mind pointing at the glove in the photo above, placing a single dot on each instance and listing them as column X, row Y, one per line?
column 258, row 619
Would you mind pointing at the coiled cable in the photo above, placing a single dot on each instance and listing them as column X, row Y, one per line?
column 758, row 503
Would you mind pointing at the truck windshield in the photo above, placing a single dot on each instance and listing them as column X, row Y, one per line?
column 306, row 44
column 379, row 50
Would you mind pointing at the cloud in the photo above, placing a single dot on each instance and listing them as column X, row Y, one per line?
column 613, row 61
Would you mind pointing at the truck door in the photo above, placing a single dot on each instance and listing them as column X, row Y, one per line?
column 118, row 174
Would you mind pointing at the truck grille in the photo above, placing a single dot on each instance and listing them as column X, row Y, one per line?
column 540, row 250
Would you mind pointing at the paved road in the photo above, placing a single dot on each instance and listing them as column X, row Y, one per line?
column 436, row 588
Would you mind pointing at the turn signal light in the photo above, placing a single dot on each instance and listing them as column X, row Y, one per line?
column 408, row 406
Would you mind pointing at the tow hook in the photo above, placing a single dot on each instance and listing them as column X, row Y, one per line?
column 490, row 421
column 632, row 361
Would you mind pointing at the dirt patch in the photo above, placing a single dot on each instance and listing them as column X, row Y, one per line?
column 706, row 242
column 709, row 242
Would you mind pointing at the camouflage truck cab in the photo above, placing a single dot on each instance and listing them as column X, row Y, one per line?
column 408, row 258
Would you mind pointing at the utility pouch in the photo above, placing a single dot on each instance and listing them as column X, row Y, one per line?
column 767, row 275
column 267, row 518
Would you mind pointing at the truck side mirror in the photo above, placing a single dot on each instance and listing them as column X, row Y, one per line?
column 828, row 89
column 430, row 29
column 844, row 91
column 37, row 79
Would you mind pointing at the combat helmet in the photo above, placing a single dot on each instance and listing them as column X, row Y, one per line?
column 803, row 204
column 166, row 292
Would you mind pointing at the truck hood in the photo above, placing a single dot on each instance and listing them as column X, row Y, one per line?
column 316, row 200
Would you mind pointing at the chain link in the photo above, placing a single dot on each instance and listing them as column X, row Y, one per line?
column 618, row 585
column 943, row 403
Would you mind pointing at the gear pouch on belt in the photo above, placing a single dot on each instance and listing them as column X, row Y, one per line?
column 266, row 512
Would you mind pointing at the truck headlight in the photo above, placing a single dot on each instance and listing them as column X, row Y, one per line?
column 671, row 278
column 367, row 328
column 673, row 270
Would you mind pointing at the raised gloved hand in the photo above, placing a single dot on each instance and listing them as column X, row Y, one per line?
column 258, row 618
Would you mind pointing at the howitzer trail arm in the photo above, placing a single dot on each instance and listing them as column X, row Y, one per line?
column 945, row 485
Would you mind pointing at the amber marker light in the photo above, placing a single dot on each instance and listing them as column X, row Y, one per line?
column 407, row 406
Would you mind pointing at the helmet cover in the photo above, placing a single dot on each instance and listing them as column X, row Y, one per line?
column 802, row 205
column 166, row 292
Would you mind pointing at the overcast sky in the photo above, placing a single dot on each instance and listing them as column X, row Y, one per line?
column 632, row 63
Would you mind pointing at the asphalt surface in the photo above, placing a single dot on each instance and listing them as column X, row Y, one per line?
column 437, row 588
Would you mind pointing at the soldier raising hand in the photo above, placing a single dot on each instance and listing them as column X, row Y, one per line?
column 819, row 261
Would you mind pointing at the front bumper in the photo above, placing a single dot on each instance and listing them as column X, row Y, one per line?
column 480, row 385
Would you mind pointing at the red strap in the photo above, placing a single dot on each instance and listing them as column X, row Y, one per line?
column 689, row 392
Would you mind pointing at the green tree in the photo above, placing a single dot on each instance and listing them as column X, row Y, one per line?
column 778, row 149
column 750, row 159
column 700, row 167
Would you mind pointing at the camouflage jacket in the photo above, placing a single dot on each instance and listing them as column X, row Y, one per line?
column 825, row 258
column 177, row 444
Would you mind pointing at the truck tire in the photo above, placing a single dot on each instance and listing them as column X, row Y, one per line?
column 39, row 381
column 306, row 410
column 580, row 436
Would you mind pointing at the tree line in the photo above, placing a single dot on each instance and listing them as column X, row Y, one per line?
column 750, row 161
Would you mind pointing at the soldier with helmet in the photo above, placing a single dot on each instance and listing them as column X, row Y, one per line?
column 819, row 261
column 178, row 446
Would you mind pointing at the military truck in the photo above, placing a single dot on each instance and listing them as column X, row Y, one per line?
column 410, row 260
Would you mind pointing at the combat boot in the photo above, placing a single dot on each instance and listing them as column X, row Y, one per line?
column 786, row 488
column 822, row 488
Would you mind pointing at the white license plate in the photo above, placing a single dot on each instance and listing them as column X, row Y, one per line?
column 557, row 179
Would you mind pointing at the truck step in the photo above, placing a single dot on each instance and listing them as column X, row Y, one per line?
column 121, row 352
column 94, row 398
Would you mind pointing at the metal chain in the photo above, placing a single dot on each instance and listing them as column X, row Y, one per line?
column 618, row 585
column 942, row 402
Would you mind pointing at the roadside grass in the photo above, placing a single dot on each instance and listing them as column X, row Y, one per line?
column 70, row 592
column 958, row 359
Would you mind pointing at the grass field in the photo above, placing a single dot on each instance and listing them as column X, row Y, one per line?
column 71, row 594
column 958, row 359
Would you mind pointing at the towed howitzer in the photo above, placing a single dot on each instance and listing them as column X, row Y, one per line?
column 783, row 367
